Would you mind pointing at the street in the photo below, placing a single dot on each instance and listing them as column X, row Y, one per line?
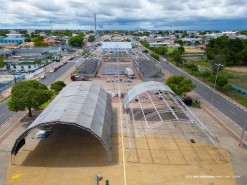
column 231, row 110
column 234, row 112
column 5, row 114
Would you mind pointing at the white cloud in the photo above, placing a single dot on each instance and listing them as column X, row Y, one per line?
column 113, row 13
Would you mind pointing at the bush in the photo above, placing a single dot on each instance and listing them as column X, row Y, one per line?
column 205, row 75
column 57, row 86
column 180, row 85
column 155, row 56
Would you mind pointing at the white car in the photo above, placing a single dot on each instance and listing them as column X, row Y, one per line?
column 51, row 71
column 43, row 134
column 42, row 77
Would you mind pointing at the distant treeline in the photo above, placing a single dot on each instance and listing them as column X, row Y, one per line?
column 229, row 52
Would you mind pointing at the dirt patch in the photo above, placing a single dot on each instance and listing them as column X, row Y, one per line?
column 193, row 50
column 237, row 69
column 27, row 119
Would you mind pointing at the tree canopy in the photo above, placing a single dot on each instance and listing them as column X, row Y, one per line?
column 91, row 38
column 76, row 41
column 231, row 49
column 155, row 56
column 180, row 85
column 161, row 50
column 27, row 95
column 176, row 55
column 4, row 32
column 2, row 64
column 58, row 86
column 221, row 80
column 39, row 41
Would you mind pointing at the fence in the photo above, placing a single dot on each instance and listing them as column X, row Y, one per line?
column 31, row 75
column 11, row 83
column 238, row 89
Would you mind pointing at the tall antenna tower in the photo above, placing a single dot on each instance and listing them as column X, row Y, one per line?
column 95, row 30
column 50, row 23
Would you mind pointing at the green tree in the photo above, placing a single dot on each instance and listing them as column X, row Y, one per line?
column 176, row 55
column 27, row 95
column 76, row 41
column 40, row 44
column 197, row 43
column 57, row 86
column 145, row 44
column 221, row 80
column 38, row 39
column 192, row 67
column 181, row 49
column 155, row 56
column 27, row 40
column 243, row 55
column 4, row 32
column 91, row 38
column 180, row 42
column 205, row 74
column 2, row 64
column 180, row 85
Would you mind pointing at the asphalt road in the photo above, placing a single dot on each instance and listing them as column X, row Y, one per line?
column 228, row 108
column 5, row 114
column 231, row 110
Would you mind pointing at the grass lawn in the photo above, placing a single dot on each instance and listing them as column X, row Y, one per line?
column 238, row 97
column 204, row 63
column 43, row 106
column 238, row 78
column 235, row 77
column 170, row 50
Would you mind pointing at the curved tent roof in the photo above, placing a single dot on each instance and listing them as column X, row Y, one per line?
column 154, row 86
column 144, row 87
column 82, row 104
column 115, row 46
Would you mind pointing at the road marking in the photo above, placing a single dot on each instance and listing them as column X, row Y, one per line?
column 1, row 114
column 12, row 126
column 232, row 112
column 122, row 136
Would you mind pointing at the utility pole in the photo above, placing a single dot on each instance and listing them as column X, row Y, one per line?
column 242, row 135
column 218, row 66
column 95, row 30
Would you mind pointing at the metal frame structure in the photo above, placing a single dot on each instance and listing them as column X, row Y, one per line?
column 82, row 104
column 140, row 103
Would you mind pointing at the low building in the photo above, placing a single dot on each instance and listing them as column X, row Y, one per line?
column 25, row 64
column 12, row 40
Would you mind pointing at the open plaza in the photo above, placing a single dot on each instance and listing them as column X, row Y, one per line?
column 134, row 131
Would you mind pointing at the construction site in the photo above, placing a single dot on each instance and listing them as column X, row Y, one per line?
column 120, row 128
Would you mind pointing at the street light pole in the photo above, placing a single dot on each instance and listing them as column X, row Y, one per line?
column 241, row 139
column 218, row 66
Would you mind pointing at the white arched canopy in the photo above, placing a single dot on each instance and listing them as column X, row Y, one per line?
column 144, row 87
column 82, row 104
column 157, row 101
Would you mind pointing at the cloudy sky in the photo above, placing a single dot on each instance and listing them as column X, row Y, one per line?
column 124, row 14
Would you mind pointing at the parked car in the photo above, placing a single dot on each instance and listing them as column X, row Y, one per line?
column 43, row 133
column 43, row 77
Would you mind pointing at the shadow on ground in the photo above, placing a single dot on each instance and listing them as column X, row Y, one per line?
column 70, row 146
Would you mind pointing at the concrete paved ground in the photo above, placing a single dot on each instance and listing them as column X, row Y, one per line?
column 158, row 158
